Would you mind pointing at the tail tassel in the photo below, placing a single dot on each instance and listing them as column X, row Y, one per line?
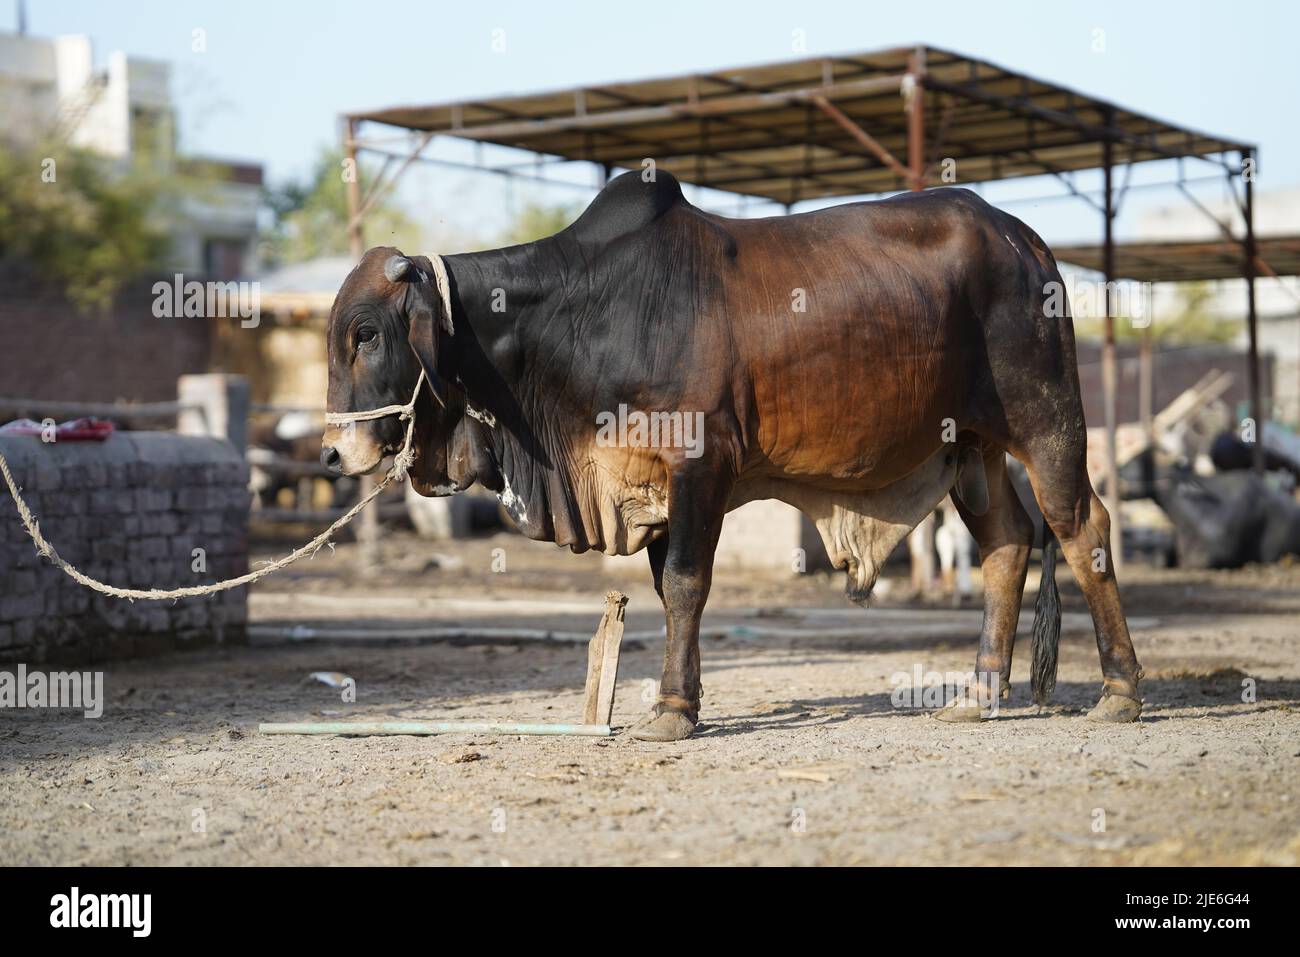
column 1047, row 626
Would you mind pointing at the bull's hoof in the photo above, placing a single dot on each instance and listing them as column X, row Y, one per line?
column 668, row 726
column 960, row 710
column 1116, row 709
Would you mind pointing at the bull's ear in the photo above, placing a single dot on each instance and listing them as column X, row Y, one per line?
column 429, row 279
column 423, row 337
column 427, row 301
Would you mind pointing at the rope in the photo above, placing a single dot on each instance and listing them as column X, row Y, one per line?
column 401, row 464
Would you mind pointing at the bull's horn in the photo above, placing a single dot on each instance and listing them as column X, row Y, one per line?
column 396, row 267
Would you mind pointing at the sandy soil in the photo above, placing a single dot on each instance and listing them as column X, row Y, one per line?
column 801, row 757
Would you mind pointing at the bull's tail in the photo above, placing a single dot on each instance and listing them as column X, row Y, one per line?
column 1047, row 626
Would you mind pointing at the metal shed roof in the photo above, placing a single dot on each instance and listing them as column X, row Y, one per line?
column 766, row 130
column 1188, row 261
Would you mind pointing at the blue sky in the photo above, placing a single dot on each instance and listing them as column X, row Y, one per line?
column 276, row 75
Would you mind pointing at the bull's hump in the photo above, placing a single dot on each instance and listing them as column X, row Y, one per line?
column 627, row 203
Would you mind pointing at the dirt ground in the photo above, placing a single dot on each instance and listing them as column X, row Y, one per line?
column 801, row 757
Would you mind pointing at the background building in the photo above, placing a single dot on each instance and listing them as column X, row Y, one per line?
column 1277, row 300
column 124, row 111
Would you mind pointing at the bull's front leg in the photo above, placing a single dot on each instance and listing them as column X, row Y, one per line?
column 682, row 565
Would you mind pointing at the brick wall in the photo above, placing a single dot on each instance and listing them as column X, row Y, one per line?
column 129, row 511
column 1173, row 370
column 51, row 350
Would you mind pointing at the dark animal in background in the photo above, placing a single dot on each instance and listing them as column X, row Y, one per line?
column 1230, row 519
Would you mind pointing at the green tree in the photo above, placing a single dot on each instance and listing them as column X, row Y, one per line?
column 538, row 220
column 311, row 216
column 1191, row 322
column 81, row 220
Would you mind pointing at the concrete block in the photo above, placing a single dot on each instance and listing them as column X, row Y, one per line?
column 769, row 535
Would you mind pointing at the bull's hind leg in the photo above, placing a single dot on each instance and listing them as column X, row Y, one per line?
column 1005, row 536
column 1081, row 522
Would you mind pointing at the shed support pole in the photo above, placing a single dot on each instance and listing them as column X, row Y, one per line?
column 920, row 543
column 916, row 121
column 1109, row 373
column 368, row 529
column 1248, row 272
column 1146, row 404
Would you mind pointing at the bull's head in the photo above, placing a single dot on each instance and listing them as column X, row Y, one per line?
column 388, row 320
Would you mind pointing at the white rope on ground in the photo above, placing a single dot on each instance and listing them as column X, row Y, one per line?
column 401, row 464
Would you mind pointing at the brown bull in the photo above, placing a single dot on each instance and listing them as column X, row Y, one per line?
column 858, row 362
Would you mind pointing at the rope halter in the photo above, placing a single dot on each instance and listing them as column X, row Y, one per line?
column 406, row 457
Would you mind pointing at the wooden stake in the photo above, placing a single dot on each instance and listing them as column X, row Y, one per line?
column 598, row 703
column 602, row 662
